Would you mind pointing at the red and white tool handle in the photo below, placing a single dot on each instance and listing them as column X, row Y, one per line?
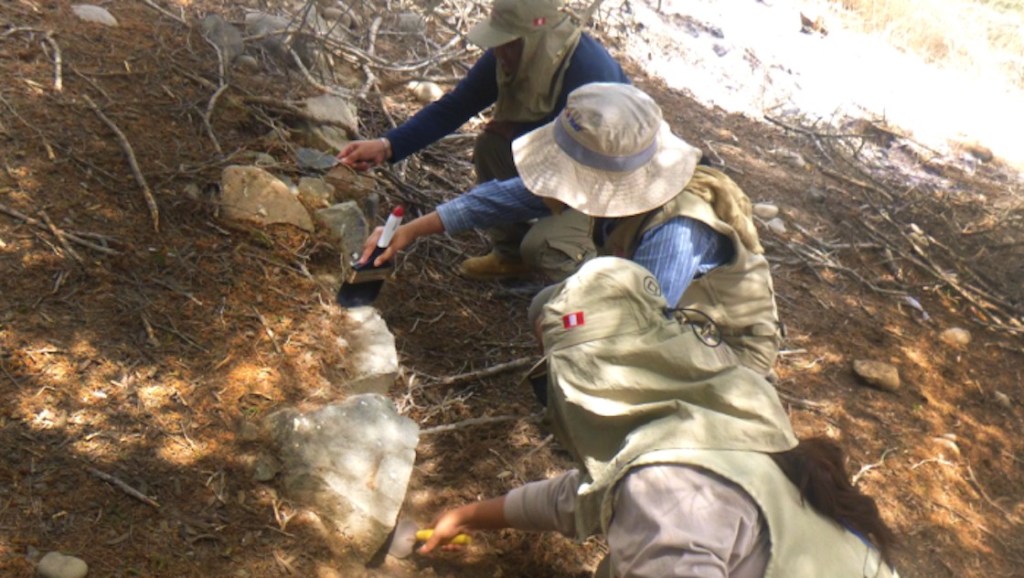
column 394, row 220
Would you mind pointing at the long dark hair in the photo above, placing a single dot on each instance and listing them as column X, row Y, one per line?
column 815, row 466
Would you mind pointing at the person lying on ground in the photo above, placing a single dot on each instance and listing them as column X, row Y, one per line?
column 535, row 56
column 611, row 157
column 688, row 471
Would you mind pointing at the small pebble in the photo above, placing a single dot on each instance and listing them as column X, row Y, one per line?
column 57, row 565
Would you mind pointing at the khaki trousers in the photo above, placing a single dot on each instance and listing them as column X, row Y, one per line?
column 555, row 245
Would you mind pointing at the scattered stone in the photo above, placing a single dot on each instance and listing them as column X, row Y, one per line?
column 248, row 431
column 259, row 159
column 1002, row 399
column 96, row 14
column 777, row 226
column 918, row 236
column 792, row 158
column 348, row 184
column 254, row 195
column 192, row 191
column 949, row 446
column 320, row 137
column 314, row 159
column 270, row 29
column 315, row 193
column 346, row 224
column 333, row 13
column 766, row 210
column 334, row 110
column 264, row 468
column 372, row 356
column 411, row 23
column 719, row 50
column 980, row 152
column 956, row 336
column 878, row 374
column 350, row 462
column 818, row 195
column 57, row 565
column 425, row 92
column 224, row 36
column 247, row 63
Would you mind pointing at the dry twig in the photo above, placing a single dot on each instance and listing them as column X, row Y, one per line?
column 119, row 484
column 154, row 211
column 487, row 372
column 73, row 237
column 472, row 422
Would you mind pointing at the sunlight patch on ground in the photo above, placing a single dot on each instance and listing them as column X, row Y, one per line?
column 756, row 61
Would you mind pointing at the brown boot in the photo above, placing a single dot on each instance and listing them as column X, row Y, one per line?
column 492, row 267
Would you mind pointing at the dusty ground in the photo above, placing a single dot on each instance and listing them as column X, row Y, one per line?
column 141, row 355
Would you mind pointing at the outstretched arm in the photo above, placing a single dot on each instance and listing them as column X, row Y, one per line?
column 429, row 224
column 486, row 205
column 486, row 515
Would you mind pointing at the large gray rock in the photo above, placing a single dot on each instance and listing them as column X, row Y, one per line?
column 372, row 355
column 345, row 223
column 223, row 35
column 251, row 194
column 350, row 462
column 333, row 110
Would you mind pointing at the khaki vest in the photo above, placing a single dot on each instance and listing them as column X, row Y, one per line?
column 804, row 543
column 739, row 296
column 531, row 92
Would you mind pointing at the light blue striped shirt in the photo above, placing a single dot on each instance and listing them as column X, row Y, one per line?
column 675, row 252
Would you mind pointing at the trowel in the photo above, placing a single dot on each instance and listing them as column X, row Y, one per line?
column 407, row 535
column 365, row 281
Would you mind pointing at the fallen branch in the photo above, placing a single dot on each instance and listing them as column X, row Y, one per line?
column 58, row 79
column 154, row 211
column 76, row 238
column 487, row 372
column 116, row 482
column 1010, row 517
column 868, row 467
column 161, row 10
column 61, row 237
column 472, row 422
column 58, row 82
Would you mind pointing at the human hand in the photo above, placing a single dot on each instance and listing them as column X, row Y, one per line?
column 365, row 154
column 448, row 526
column 400, row 240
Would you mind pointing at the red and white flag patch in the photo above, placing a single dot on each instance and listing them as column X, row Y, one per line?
column 572, row 320
column 540, row 21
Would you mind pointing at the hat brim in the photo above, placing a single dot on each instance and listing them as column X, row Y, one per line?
column 547, row 171
column 486, row 36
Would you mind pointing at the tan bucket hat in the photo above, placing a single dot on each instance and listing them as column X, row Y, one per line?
column 511, row 19
column 608, row 154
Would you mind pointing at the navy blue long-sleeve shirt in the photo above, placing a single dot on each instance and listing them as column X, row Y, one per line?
column 590, row 62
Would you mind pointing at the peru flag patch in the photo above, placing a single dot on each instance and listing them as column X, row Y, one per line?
column 572, row 320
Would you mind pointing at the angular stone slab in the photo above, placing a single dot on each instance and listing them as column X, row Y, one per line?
column 350, row 462
column 372, row 355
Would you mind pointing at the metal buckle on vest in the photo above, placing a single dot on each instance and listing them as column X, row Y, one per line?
column 702, row 325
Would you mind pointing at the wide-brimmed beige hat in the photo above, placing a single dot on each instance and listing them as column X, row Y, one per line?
column 608, row 154
column 511, row 19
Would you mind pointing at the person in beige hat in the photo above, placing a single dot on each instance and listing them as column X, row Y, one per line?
column 535, row 55
column 611, row 156
column 688, row 469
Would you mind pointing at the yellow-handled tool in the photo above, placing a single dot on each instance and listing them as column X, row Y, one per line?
column 460, row 539
column 407, row 534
